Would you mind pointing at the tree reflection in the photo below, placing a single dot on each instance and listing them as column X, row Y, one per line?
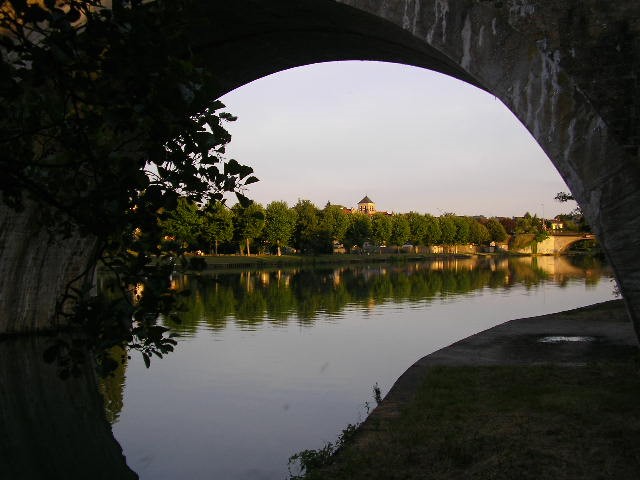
column 55, row 428
column 111, row 386
column 250, row 298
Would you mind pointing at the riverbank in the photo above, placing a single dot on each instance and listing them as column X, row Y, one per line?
column 554, row 396
column 216, row 262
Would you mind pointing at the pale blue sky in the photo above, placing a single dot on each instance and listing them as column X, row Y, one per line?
column 410, row 138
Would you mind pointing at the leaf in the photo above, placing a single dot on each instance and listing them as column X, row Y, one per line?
column 228, row 117
column 244, row 201
column 216, row 105
column 50, row 353
column 73, row 15
column 36, row 14
column 244, row 170
column 108, row 365
column 251, row 180
column 232, row 167
column 171, row 200
column 147, row 360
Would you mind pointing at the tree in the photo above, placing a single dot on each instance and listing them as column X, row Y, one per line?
column 359, row 230
column 508, row 223
column 532, row 225
column 249, row 224
column 447, row 229
column 400, row 230
column 381, row 225
column 497, row 233
column 575, row 219
column 334, row 223
column 529, row 224
column 280, row 224
column 417, row 228
column 478, row 233
column 463, row 230
column 307, row 231
column 217, row 224
column 433, row 232
column 184, row 224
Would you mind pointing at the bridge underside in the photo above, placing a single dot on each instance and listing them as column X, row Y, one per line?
column 567, row 70
column 247, row 39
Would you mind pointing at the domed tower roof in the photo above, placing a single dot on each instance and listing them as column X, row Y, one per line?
column 366, row 199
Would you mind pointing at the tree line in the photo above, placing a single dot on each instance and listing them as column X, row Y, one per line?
column 215, row 228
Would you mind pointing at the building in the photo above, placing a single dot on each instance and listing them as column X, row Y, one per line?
column 557, row 225
column 366, row 205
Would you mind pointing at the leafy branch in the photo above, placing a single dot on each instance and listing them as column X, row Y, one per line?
column 92, row 99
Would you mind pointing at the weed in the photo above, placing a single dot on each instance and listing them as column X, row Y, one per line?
column 308, row 461
column 377, row 394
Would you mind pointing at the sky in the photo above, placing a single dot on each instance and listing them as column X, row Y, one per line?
column 409, row 138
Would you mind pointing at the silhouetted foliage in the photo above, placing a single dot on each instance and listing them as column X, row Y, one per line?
column 107, row 116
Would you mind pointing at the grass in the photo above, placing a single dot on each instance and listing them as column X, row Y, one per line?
column 507, row 422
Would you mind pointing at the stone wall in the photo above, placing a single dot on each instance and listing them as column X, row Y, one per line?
column 35, row 269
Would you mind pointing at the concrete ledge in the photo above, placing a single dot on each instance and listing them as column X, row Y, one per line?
column 601, row 332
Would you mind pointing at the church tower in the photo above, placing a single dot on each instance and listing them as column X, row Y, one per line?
column 367, row 206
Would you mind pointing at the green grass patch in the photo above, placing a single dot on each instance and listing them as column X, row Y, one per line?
column 520, row 422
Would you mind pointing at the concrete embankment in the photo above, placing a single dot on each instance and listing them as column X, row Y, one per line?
column 554, row 396
column 600, row 332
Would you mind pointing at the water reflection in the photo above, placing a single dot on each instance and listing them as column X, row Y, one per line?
column 250, row 298
column 275, row 361
column 49, row 427
column 111, row 386
column 53, row 428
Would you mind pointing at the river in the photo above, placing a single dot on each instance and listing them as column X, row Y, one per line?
column 270, row 362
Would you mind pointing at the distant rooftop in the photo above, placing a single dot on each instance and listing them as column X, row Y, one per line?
column 366, row 199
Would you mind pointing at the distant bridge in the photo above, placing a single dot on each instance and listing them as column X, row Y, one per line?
column 557, row 243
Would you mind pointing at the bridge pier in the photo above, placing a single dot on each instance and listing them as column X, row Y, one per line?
column 35, row 270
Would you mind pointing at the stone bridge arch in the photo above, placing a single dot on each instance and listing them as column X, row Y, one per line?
column 555, row 244
column 562, row 243
column 567, row 70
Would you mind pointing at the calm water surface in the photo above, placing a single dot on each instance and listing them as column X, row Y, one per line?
column 271, row 362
